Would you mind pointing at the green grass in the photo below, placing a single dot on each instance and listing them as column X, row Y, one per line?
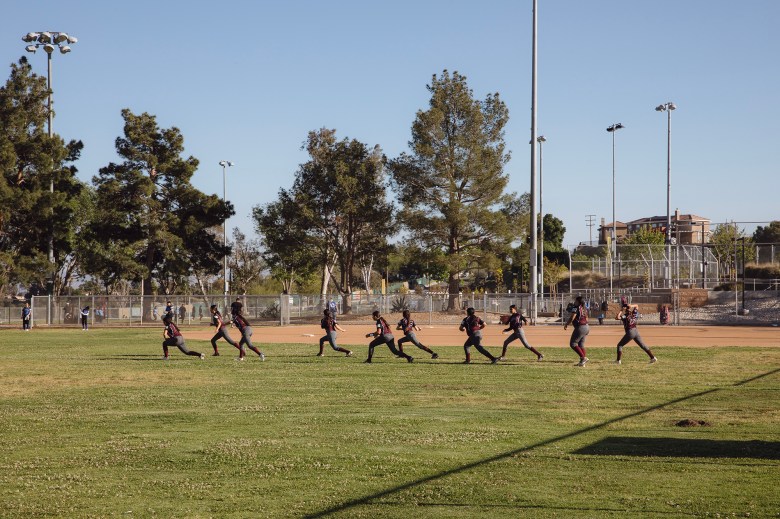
column 95, row 425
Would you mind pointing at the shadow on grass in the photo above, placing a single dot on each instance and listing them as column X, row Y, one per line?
column 683, row 447
column 504, row 455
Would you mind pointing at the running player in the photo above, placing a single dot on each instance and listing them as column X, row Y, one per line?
column 331, row 327
column 629, row 315
column 579, row 318
column 473, row 326
column 246, row 337
column 222, row 333
column 173, row 337
column 408, row 325
column 383, row 335
column 85, row 318
column 516, row 321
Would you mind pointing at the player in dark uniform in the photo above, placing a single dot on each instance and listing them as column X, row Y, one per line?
column 85, row 318
column 629, row 315
column 222, row 332
column 236, row 307
column 408, row 326
column 173, row 337
column 169, row 310
column 331, row 327
column 515, row 325
column 473, row 326
column 579, row 318
column 246, row 336
column 383, row 335
column 26, row 317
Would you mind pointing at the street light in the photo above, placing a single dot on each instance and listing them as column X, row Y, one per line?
column 540, row 140
column 668, row 107
column 225, row 164
column 49, row 40
column 613, row 129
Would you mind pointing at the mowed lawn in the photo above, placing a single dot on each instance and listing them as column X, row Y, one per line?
column 94, row 424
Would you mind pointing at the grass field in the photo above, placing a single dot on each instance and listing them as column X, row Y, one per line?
column 96, row 425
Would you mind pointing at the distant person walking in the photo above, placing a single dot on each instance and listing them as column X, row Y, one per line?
column 629, row 315
column 331, row 327
column 664, row 314
column 579, row 318
column 473, row 326
column 408, row 326
column 515, row 326
column 246, row 337
column 26, row 317
column 221, row 328
column 383, row 335
column 85, row 318
column 172, row 337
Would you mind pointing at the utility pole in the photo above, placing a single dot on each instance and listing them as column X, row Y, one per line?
column 590, row 218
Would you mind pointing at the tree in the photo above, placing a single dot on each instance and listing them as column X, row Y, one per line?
column 336, row 210
column 452, row 182
column 31, row 216
column 554, row 231
column 768, row 234
column 245, row 262
column 286, row 251
column 151, row 223
column 727, row 243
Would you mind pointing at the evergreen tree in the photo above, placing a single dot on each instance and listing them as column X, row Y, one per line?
column 151, row 223
column 452, row 182
column 31, row 216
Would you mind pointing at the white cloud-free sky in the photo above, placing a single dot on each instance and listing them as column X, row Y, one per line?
column 246, row 80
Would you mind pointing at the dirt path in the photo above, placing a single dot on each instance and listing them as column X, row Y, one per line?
column 547, row 336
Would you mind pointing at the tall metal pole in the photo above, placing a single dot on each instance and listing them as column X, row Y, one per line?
column 613, row 234
column 224, row 231
column 532, row 263
column 669, row 190
column 541, row 226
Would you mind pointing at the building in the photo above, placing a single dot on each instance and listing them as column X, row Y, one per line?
column 687, row 229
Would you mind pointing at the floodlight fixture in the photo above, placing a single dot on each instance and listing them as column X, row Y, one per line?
column 30, row 37
column 31, row 48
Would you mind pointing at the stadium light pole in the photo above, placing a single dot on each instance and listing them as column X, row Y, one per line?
column 225, row 164
column 532, row 272
column 613, row 246
column 540, row 140
column 668, row 107
column 49, row 40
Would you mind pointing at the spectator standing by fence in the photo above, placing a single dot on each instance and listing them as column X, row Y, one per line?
column 26, row 317
column 85, row 318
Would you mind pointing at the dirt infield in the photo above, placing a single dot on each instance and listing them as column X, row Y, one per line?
column 543, row 335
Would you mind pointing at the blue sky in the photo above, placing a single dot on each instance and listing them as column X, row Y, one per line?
column 246, row 80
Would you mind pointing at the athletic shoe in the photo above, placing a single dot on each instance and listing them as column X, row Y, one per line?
column 540, row 358
column 618, row 362
column 495, row 360
column 410, row 359
column 262, row 357
column 501, row 358
column 240, row 359
column 202, row 357
column 164, row 358
column 320, row 354
column 435, row 356
column 653, row 360
column 349, row 354
column 583, row 361
column 367, row 361
column 215, row 354
column 466, row 362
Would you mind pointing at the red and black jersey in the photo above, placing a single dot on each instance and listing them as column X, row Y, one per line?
column 217, row 320
column 173, row 330
column 240, row 322
column 328, row 324
column 516, row 321
column 407, row 325
column 472, row 324
column 580, row 316
column 382, row 328
column 629, row 320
